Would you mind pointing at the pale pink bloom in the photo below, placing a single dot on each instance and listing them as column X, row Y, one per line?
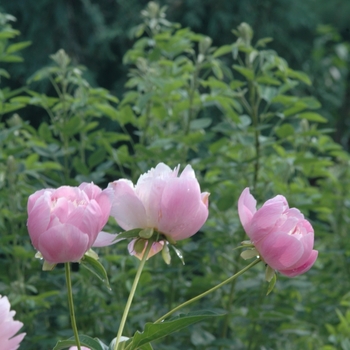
column 9, row 327
column 281, row 235
column 64, row 223
column 76, row 348
column 171, row 204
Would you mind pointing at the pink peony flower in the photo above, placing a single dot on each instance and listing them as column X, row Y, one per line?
column 9, row 327
column 64, row 223
column 172, row 205
column 281, row 235
column 76, row 348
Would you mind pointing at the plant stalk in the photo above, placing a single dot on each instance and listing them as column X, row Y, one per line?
column 71, row 305
column 132, row 293
column 208, row 291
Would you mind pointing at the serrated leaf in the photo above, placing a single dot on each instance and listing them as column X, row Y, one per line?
column 91, row 343
column 156, row 331
column 96, row 268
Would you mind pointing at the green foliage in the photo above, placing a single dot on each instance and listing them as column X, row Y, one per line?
column 242, row 116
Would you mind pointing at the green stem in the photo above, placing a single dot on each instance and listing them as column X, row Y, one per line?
column 71, row 305
column 132, row 293
column 208, row 291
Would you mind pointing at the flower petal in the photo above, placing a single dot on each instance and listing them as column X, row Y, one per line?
column 127, row 208
column 63, row 243
column 183, row 211
column 303, row 268
column 104, row 239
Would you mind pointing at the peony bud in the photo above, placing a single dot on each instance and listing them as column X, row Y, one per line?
column 281, row 235
column 64, row 223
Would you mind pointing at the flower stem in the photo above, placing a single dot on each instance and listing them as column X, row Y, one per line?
column 71, row 305
column 132, row 293
column 208, row 291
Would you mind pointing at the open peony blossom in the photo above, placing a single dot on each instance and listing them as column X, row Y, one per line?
column 64, row 223
column 281, row 235
column 172, row 205
column 9, row 327
column 81, row 348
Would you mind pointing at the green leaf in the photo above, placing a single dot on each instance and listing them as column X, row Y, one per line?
column 299, row 76
column 11, row 58
column 262, row 42
column 107, row 110
column 156, row 331
column 200, row 123
column 4, row 73
column 268, row 80
column 285, row 131
column 134, row 233
column 97, row 157
column 248, row 73
column 223, row 50
column 18, row 46
column 313, row 117
column 92, row 343
column 96, row 268
column 271, row 284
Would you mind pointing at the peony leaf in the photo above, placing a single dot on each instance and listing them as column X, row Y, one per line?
column 92, row 343
column 156, row 331
column 96, row 268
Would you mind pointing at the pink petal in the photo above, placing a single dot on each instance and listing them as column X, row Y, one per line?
column 150, row 191
column 105, row 204
column 63, row 243
column 156, row 248
column 87, row 219
column 91, row 190
column 104, row 239
column 14, row 343
column 188, row 172
column 264, row 220
column 280, row 251
column 127, row 208
column 38, row 217
column 34, row 197
column 183, row 211
column 246, row 208
column 303, row 268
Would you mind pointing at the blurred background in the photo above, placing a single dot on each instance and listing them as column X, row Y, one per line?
column 96, row 34
column 102, row 90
